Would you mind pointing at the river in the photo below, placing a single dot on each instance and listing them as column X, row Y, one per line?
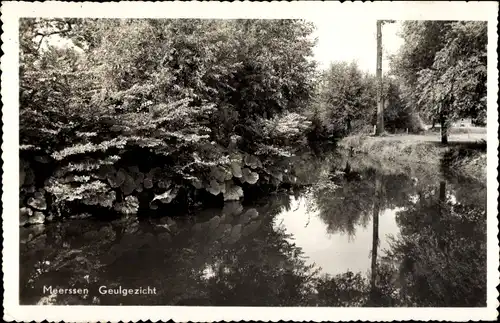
column 357, row 233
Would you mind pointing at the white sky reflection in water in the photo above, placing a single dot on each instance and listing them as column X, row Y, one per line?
column 335, row 253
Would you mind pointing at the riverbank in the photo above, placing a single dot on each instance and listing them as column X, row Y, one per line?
column 461, row 154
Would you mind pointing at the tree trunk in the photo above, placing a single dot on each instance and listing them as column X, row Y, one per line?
column 444, row 131
column 444, row 124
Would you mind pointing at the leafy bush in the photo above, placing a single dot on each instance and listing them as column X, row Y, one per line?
column 141, row 112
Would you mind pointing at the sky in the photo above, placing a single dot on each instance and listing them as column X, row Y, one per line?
column 344, row 40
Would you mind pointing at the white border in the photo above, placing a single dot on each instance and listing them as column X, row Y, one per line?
column 11, row 11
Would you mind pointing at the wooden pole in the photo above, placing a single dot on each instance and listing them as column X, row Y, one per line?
column 380, row 105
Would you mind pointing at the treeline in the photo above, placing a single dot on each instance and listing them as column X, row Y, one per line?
column 346, row 102
column 437, row 76
column 135, row 114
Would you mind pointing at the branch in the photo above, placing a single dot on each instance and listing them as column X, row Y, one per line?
column 39, row 43
column 43, row 35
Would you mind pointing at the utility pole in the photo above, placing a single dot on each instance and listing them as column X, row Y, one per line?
column 379, row 128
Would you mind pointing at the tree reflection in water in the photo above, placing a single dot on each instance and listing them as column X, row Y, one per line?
column 442, row 251
column 236, row 256
column 439, row 257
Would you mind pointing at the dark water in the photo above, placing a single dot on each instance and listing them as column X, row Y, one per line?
column 370, row 234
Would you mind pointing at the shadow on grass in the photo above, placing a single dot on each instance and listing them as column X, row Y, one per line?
column 476, row 145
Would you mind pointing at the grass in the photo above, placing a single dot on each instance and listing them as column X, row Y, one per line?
column 465, row 153
column 398, row 148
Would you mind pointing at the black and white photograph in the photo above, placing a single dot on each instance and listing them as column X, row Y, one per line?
column 197, row 162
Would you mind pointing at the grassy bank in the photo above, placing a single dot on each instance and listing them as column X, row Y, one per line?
column 461, row 155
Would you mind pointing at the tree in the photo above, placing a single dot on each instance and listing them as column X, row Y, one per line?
column 344, row 102
column 442, row 65
column 397, row 114
column 422, row 40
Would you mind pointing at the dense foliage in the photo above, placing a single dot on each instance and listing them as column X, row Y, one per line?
column 346, row 102
column 442, row 66
column 138, row 112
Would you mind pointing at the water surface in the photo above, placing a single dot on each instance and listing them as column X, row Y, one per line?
column 362, row 235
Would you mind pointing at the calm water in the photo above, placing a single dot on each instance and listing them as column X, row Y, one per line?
column 365, row 235
column 335, row 252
